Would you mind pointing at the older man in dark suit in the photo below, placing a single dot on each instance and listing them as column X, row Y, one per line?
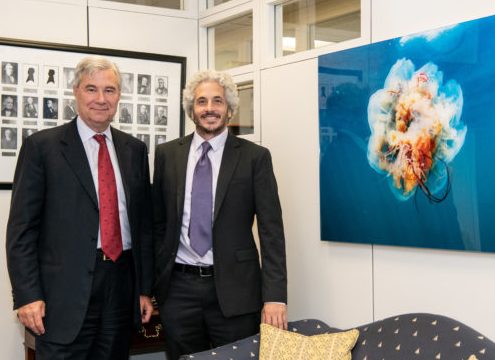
column 9, row 75
column 9, row 105
column 207, row 189
column 79, row 247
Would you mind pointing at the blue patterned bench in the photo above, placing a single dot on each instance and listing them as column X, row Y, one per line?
column 403, row 337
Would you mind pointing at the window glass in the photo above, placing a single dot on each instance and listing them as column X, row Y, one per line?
column 231, row 43
column 309, row 24
column 212, row 3
column 243, row 122
column 169, row 4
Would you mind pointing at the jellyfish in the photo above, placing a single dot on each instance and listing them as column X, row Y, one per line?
column 416, row 130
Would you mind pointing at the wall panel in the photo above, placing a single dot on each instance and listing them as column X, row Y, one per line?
column 62, row 22
column 452, row 283
column 145, row 33
column 329, row 281
column 392, row 18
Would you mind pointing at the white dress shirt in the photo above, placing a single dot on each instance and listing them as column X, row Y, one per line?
column 92, row 147
column 185, row 254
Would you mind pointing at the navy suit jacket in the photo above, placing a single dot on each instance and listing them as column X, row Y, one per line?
column 246, row 187
column 53, row 225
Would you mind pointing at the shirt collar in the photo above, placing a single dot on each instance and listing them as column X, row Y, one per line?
column 218, row 142
column 86, row 133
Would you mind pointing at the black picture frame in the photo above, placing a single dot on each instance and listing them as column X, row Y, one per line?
column 40, row 74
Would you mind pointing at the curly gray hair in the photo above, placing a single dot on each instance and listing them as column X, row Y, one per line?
column 91, row 64
column 222, row 78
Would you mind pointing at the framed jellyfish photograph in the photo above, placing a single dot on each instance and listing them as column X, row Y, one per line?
column 407, row 150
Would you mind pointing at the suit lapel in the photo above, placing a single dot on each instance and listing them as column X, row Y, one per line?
column 123, row 152
column 230, row 158
column 182, row 156
column 73, row 151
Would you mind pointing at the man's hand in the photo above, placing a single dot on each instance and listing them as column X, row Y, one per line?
column 31, row 316
column 146, row 308
column 275, row 314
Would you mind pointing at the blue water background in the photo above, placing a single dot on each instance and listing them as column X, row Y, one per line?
column 356, row 203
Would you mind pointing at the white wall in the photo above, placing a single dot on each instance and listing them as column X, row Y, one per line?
column 344, row 284
column 118, row 27
column 10, row 331
column 456, row 284
column 324, row 278
column 62, row 22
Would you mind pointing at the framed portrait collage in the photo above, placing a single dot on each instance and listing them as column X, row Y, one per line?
column 36, row 93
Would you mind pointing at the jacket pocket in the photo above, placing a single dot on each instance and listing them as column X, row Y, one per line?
column 246, row 255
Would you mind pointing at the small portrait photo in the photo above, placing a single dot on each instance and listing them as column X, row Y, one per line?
column 143, row 115
column 9, row 138
column 161, row 115
column 51, row 76
column 30, row 107
column 160, row 139
column 9, row 73
column 27, row 132
column 127, row 83
column 9, row 105
column 50, row 108
column 144, row 84
column 144, row 138
column 70, row 111
column 69, row 77
column 161, row 86
column 30, row 73
column 125, row 113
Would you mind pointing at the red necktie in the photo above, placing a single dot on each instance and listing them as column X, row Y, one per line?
column 111, row 238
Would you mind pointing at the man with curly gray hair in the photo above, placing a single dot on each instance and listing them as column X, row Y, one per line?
column 208, row 188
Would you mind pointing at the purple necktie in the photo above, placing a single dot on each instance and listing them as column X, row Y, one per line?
column 200, row 233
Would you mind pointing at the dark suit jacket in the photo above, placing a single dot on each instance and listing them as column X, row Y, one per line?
column 53, row 225
column 30, row 111
column 49, row 113
column 246, row 187
column 13, row 112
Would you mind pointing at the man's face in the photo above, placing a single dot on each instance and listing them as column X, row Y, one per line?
column 9, row 103
column 161, row 111
column 160, row 83
column 30, row 100
column 8, row 134
column 9, row 69
column 143, row 109
column 97, row 97
column 49, row 103
column 144, row 81
column 210, row 109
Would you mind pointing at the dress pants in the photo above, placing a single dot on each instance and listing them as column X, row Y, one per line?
column 192, row 318
column 106, row 330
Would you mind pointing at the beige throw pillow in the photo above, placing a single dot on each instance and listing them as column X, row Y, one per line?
column 276, row 344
